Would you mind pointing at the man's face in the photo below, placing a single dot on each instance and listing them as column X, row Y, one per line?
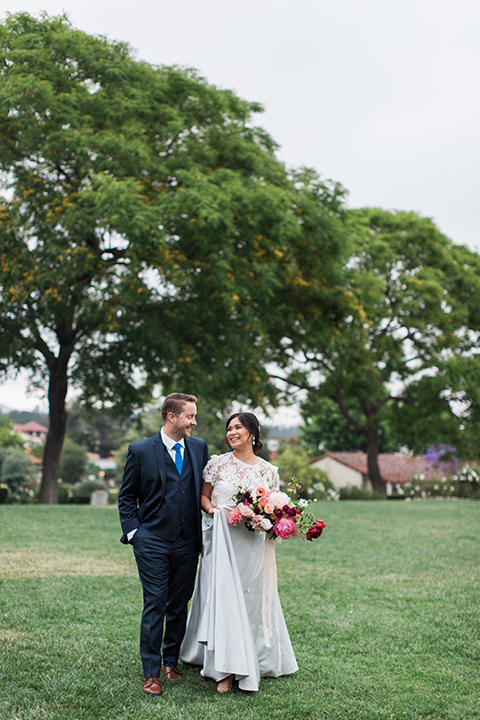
column 183, row 423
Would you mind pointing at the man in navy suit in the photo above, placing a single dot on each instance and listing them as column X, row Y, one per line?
column 159, row 505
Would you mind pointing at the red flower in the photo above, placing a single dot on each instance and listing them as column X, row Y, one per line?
column 316, row 530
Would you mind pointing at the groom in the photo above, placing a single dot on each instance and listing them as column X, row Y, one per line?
column 159, row 504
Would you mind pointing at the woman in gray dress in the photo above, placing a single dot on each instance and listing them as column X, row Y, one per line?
column 236, row 629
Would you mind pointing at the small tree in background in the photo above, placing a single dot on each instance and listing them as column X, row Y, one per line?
column 73, row 462
column 8, row 436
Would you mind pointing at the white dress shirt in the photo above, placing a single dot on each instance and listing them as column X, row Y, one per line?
column 169, row 443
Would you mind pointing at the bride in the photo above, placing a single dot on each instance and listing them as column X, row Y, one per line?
column 236, row 629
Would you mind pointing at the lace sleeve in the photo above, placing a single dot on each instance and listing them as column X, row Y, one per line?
column 210, row 471
column 275, row 478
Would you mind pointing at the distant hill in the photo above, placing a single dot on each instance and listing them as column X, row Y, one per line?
column 22, row 416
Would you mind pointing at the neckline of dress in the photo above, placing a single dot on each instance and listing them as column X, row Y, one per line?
column 244, row 463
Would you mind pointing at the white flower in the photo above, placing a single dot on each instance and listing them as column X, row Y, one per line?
column 246, row 511
column 278, row 499
column 265, row 524
column 303, row 503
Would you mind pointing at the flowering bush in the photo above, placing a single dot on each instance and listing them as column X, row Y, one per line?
column 274, row 512
column 420, row 487
column 466, row 484
column 468, row 475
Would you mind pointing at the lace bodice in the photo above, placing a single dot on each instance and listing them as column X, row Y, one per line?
column 226, row 472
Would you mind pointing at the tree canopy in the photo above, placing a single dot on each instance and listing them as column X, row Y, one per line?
column 148, row 232
column 326, row 428
column 410, row 328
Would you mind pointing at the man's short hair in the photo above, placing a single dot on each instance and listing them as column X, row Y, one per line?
column 174, row 403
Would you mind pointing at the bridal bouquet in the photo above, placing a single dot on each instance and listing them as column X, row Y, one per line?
column 275, row 513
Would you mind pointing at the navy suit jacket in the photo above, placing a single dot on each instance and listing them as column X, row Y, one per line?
column 143, row 486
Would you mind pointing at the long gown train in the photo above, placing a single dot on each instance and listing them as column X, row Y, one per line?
column 236, row 624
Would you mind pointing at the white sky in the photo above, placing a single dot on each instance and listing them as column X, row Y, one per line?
column 380, row 95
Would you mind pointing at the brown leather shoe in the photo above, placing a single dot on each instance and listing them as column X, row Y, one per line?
column 151, row 686
column 171, row 673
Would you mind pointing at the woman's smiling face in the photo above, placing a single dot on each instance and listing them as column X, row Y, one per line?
column 238, row 436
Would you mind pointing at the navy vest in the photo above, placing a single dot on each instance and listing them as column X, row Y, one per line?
column 178, row 512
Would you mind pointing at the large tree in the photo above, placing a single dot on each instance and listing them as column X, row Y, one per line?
column 412, row 324
column 148, row 232
column 326, row 428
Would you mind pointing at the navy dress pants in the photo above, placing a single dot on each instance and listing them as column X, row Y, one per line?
column 167, row 573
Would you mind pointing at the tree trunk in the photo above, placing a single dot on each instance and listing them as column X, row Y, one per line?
column 373, row 449
column 57, row 392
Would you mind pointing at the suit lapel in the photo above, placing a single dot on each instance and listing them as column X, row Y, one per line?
column 196, row 474
column 160, row 457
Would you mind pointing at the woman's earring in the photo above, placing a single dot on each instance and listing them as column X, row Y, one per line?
column 253, row 441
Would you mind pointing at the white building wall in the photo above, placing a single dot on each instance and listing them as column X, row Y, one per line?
column 341, row 475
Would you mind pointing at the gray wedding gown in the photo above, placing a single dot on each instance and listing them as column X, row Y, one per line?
column 236, row 625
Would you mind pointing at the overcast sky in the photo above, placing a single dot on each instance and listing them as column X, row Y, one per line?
column 380, row 95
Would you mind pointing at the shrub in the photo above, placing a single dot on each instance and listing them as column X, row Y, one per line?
column 358, row 493
column 3, row 493
column 81, row 493
column 73, row 462
column 18, row 471
column 65, row 493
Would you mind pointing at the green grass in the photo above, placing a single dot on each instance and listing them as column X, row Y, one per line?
column 382, row 611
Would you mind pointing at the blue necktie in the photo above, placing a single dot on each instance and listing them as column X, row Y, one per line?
column 178, row 457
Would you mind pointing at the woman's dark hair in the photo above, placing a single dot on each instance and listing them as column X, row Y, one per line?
column 250, row 423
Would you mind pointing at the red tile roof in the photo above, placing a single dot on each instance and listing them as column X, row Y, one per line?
column 31, row 427
column 393, row 468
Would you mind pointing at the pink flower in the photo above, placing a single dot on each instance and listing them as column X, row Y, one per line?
column 269, row 508
column 234, row 517
column 284, row 528
column 263, row 501
column 261, row 492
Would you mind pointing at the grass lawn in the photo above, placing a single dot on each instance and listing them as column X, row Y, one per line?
column 383, row 613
